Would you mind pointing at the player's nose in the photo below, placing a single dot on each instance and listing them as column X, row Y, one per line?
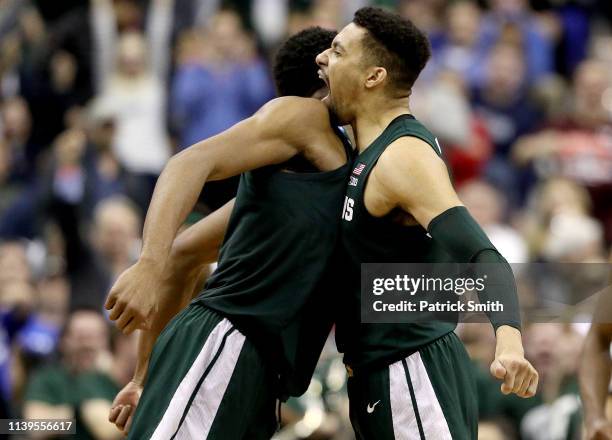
column 321, row 59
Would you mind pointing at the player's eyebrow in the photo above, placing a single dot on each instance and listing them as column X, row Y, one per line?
column 337, row 45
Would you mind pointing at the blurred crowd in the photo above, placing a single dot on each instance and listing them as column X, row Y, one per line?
column 96, row 95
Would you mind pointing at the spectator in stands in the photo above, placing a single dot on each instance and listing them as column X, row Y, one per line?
column 555, row 350
column 513, row 21
column 105, row 175
column 577, row 146
column 503, row 102
column 458, row 48
column 27, row 337
column 219, row 81
column 94, row 261
column 549, row 200
column 462, row 133
column 16, row 131
column 16, row 219
column 79, row 386
column 132, row 69
column 487, row 205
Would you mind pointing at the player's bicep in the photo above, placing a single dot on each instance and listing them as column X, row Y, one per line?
column 263, row 139
column 417, row 180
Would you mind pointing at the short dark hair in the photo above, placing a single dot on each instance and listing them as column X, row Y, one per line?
column 394, row 43
column 295, row 68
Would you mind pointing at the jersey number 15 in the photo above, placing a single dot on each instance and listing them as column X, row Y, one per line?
column 347, row 210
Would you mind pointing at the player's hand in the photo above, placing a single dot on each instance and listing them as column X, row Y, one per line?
column 510, row 366
column 133, row 299
column 124, row 406
column 600, row 429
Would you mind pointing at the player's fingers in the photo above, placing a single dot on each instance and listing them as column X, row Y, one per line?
column 128, row 424
column 522, row 389
column 508, row 384
column 117, row 310
column 110, row 301
column 130, row 327
column 126, row 317
column 114, row 412
column 520, row 377
column 123, row 416
column 533, row 385
column 497, row 369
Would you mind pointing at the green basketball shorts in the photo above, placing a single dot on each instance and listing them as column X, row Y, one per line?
column 430, row 395
column 205, row 381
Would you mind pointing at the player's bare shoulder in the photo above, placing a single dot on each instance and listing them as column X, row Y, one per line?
column 411, row 175
column 292, row 114
column 306, row 124
column 408, row 161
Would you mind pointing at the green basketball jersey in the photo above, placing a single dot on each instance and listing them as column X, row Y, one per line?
column 281, row 235
column 368, row 239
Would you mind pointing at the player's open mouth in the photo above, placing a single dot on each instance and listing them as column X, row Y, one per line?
column 326, row 81
column 323, row 77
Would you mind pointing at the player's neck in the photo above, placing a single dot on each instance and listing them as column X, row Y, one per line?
column 371, row 121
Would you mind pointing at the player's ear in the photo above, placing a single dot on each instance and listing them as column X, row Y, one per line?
column 376, row 76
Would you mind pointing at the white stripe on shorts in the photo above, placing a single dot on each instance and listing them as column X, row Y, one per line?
column 405, row 425
column 203, row 409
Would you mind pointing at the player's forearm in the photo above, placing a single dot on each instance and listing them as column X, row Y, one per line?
column 594, row 374
column 464, row 240
column 176, row 192
column 169, row 307
column 508, row 340
column 147, row 339
column 200, row 243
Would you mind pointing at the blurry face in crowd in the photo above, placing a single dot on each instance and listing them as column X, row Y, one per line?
column 226, row 33
column 70, row 146
column 13, row 263
column 343, row 68
column 505, row 70
column 116, row 230
column 54, row 295
column 508, row 6
column 102, row 134
column 560, row 196
column 568, row 352
column 423, row 13
column 17, row 295
column 132, row 54
column 64, row 68
column 463, row 22
column 590, row 82
column 16, row 121
column 541, row 344
column 483, row 201
column 85, row 339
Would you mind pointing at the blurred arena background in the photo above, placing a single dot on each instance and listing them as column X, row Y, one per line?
column 96, row 95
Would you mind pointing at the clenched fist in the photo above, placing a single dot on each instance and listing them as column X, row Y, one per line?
column 124, row 406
